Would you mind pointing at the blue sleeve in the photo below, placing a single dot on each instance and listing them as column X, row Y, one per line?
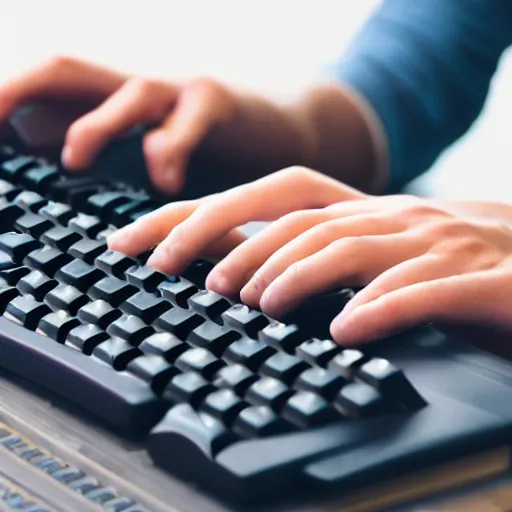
column 425, row 67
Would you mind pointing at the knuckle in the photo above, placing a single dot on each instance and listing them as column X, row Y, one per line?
column 420, row 210
column 448, row 229
column 298, row 218
column 300, row 176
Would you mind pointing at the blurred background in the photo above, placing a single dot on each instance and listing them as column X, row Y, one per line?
column 274, row 46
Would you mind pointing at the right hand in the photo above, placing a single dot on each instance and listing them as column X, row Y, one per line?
column 184, row 113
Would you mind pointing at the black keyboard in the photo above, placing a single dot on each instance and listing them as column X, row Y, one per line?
column 249, row 408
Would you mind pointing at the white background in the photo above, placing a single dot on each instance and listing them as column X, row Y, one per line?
column 273, row 46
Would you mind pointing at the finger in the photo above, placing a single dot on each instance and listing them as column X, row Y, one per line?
column 426, row 267
column 265, row 199
column 200, row 106
column 477, row 298
column 150, row 229
column 353, row 261
column 136, row 102
column 309, row 243
column 236, row 269
column 59, row 79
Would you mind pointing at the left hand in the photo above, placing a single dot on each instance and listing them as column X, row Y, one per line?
column 419, row 260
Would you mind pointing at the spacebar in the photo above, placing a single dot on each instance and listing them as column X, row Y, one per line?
column 116, row 397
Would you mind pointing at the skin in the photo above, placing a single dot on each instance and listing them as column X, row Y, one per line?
column 419, row 260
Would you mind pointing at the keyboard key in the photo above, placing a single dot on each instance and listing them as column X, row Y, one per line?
column 209, row 304
column 18, row 245
column 184, row 431
column 359, row 399
column 146, row 306
column 87, row 250
column 260, row 421
column 216, row 338
column 178, row 291
column 86, row 225
column 98, row 312
column 268, row 391
column 153, row 369
column 30, row 201
column 67, row 298
column 36, row 283
column 47, row 260
column 390, row 381
column 79, row 274
column 114, row 263
column 197, row 272
column 179, row 321
column 14, row 168
column 58, row 325
column 199, row 360
column 235, row 377
column 87, row 337
column 224, row 405
column 245, row 320
column 7, row 294
column 58, row 213
column 116, row 353
column 307, row 409
column 318, row 352
column 145, row 278
column 103, row 204
column 249, row 352
column 39, row 178
column 282, row 337
column 131, row 329
column 33, row 224
column 189, row 387
column 347, row 362
column 113, row 290
column 12, row 275
column 28, row 311
column 324, row 382
column 60, row 237
column 9, row 214
column 284, row 367
column 164, row 344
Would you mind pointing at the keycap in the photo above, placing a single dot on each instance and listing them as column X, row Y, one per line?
column 307, row 409
column 235, row 377
column 189, row 387
column 268, row 391
column 58, row 325
column 347, row 362
column 284, row 367
column 209, row 304
column 146, row 306
column 249, row 352
column 60, row 237
column 87, row 337
column 359, row 399
column 216, row 338
column 390, row 381
column 18, row 245
column 39, row 178
column 153, row 369
column 33, row 224
column 317, row 352
column 13, row 169
column 199, row 360
column 86, row 225
column 87, row 250
column 145, row 278
column 177, row 291
column 67, row 298
column 114, row 263
column 47, row 259
column 58, row 213
column 121, row 400
column 116, row 352
column 187, row 432
column 164, row 344
column 27, row 310
column 281, row 336
column 178, row 321
column 245, row 320
column 98, row 312
column 36, row 283
column 260, row 421
column 12, row 275
column 113, row 290
column 197, row 272
column 131, row 329
column 7, row 294
column 103, row 203
column 9, row 213
column 79, row 274
column 324, row 382
column 30, row 201
column 223, row 405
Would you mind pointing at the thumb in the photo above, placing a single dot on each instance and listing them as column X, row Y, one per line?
column 201, row 105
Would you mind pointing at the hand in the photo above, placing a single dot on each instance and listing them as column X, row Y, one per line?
column 418, row 260
column 183, row 112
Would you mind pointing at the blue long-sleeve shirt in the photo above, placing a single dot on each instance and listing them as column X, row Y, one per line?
column 425, row 66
